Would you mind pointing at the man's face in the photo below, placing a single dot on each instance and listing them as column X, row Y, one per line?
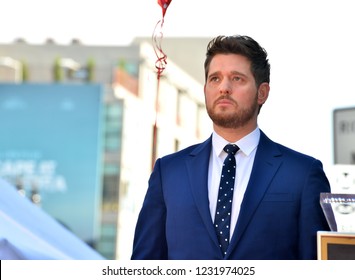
column 232, row 98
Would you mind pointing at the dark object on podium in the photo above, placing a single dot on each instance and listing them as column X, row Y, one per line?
column 336, row 245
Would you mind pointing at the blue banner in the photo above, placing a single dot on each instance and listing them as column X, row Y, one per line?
column 50, row 149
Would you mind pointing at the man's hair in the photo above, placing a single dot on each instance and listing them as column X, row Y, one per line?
column 241, row 45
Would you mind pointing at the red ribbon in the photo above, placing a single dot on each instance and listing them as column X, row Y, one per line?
column 160, row 66
column 164, row 4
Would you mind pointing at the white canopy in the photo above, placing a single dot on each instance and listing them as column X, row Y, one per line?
column 27, row 232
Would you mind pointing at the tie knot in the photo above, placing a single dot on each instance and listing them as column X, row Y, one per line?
column 231, row 149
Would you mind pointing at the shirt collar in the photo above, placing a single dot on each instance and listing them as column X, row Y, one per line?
column 247, row 144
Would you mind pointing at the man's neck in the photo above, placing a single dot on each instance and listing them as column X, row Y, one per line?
column 234, row 134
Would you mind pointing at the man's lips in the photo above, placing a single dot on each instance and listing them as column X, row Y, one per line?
column 224, row 101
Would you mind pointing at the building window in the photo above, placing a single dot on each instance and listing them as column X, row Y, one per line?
column 10, row 70
column 113, row 126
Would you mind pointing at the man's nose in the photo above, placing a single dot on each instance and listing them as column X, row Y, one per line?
column 225, row 87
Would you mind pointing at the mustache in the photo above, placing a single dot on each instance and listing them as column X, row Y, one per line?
column 225, row 97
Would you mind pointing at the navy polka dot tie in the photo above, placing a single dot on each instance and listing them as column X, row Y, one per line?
column 225, row 197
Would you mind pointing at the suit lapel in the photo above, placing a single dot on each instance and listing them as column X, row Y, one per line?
column 197, row 167
column 267, row 161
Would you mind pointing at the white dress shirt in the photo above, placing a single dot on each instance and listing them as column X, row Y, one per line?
column 244, row 159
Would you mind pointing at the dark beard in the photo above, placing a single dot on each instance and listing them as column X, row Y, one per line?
column 233, row 120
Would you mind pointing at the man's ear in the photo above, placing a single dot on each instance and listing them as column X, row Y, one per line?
column 263, row 93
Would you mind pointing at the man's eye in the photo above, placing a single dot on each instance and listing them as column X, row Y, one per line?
column 236, row 78
column 214, row 79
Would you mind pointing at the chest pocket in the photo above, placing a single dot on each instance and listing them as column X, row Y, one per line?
column 278, row 197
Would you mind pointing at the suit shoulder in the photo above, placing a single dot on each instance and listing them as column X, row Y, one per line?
column 284, row 150
column 188, row 151
column 181, row 153
column 294, row 153
column 299, row 159
column 176, row 159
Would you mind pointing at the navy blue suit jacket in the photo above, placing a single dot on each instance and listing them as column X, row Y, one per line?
column 279, row 216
